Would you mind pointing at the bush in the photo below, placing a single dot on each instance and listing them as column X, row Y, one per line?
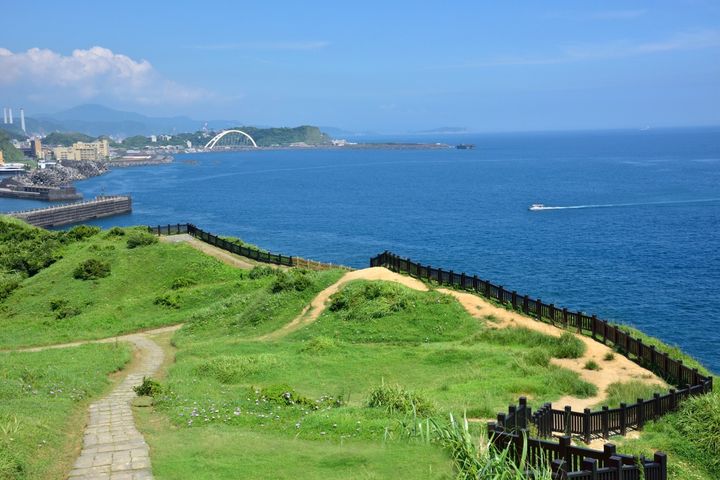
column 261, row 271
column 8, row 283
column 284, row 394
column 115, row 232
column 233, row 368
column 591, row 365
column 182, row 282
column 169, row 300
column 82, row 232
column 568, row 346
column 537, row 357
column 395, row 399
column 62, row 308
column 92, row 269
column 148, row 388
column 319, row 345
column 368, row 300
column 295, row 280
column 609, row 356
column 140, row 239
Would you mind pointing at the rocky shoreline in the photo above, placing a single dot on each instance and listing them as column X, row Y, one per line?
column 58, row 175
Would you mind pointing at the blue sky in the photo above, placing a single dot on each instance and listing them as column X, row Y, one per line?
column 389, row 66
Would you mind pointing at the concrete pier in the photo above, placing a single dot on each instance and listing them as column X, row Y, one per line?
column 104, row 206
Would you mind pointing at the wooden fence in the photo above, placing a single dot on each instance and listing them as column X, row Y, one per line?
column 586, row 424
column 236, row 248
column 571, row 462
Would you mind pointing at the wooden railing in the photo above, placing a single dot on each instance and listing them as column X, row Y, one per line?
column 571, row 462
column 586, row 424
column 238, row 249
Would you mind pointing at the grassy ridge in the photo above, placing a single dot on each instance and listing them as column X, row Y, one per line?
column 141, row 291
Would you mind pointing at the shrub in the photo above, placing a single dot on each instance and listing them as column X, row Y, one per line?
column 8, row 283
column 368, row 300
column 591, row 365
column 148, row 388
column 182, row 282
column 295, row 280
column 318, row 345
column 537, row 357
column 568, row 346
column 140, row 239
column 62, row 308
column 233, row 368
column 609, row 356
column 261, row 271
column 169, row 300
column 92, row 269
column 284, row 394
column 115, row 232
column 395, row 399
column 82, row 232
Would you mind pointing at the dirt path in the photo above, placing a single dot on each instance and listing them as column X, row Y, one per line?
column 318, row 304
column 225, row 257
column 620, row 368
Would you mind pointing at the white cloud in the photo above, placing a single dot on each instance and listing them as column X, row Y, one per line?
column 598, row 15
column 88, row 74
column 292, row 45
column 696, row 40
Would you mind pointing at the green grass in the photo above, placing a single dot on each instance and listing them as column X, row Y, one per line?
column 43, row 400
column 629, row 392
column 124, row 301
column 690, row 437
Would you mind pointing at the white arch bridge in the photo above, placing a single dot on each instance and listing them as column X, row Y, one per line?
column 230, row 139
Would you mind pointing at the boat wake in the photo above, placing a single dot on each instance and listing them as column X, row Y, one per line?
column 538, row 207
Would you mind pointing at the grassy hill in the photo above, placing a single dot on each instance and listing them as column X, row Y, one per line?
column 340, row 398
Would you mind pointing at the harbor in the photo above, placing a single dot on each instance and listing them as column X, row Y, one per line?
column 99, row 207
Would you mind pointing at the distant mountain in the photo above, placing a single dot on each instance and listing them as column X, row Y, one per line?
column 96, row 120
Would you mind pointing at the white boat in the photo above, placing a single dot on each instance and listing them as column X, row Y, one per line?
column 537, row 206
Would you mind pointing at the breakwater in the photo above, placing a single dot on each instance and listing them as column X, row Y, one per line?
column 39, row 192
column 100, row 207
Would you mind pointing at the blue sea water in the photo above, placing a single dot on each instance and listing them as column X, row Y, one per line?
column 644, row 250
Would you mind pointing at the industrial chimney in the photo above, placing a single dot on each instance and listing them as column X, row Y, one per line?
column 22, row 119
column 10, row 115
column 5, row 115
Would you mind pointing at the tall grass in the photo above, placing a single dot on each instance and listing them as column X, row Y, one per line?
column 474, row 456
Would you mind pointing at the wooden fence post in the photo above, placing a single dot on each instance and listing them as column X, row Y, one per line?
column 604, row 420
column 475, row 283
column 462, row 280
column 567, row 421
column 661, row 459
column 605, row 326
column 564, row 449
column 429, row 272
column 656, row 406
column 501, row 294
column 565, row 317
column 551, row 313
column 615, row 463
column 538, row 309
column 451, row 278
column 514, row 300
column 640, row 413
column 590, row 465
column 526, row 304
column 673, row 400
column 623, row 419
column 586, row 425
column 593, row 324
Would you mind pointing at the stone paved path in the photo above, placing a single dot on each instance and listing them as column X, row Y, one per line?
column 113, row 449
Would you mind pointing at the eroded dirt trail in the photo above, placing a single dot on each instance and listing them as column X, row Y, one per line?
column 620, row 368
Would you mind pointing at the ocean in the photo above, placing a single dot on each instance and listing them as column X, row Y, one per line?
column 638, row 242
